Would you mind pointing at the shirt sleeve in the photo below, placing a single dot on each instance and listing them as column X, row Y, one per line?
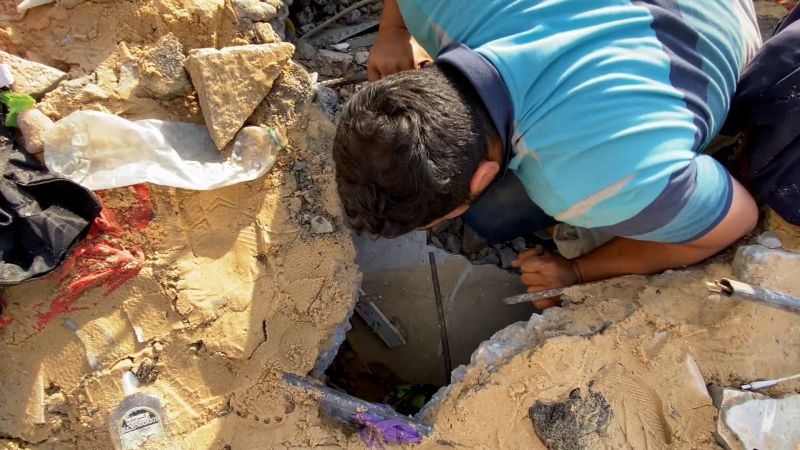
column 694, row 201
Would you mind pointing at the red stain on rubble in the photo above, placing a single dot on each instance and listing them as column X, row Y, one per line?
column 97, row 262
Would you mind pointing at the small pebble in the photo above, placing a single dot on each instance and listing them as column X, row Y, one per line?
column 769, row 239
column 354, row 18
column 519, row 245
column 507, row 256
column 321, row 225
column 361, row 57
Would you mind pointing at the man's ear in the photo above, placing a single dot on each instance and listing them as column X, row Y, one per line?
column 483, row 177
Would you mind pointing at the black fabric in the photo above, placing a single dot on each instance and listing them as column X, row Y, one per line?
column 41, row 216
column 767, row 107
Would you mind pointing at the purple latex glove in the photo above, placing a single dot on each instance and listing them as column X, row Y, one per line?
column 377, row 432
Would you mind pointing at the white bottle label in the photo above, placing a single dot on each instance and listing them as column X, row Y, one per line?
column 139, row 425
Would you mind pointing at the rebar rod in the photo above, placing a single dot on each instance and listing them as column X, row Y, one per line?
column 437, row 293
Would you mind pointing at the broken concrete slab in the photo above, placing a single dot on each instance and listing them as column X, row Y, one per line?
column 725, row 398
column 768, row 268
column 253, row 67
column 31, row 77
column 766, row 423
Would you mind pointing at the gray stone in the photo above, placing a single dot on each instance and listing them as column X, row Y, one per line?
column 321, row 225
column 768, row 268
column 472, row 243
column 31, row 77
column 255, row 10
column 490, row 259
column 329, row 9
column 723, row 399
column 354, row 18
column 361, row 57
column 769, row 239
column 305, row 17
column 329, row 100
column 306, row 51
column 507, row 256
column 335, row 58
column 453, row 244
column 519, row 245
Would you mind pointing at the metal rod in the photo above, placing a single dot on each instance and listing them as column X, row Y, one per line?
column 336, row 17
column 448, row 364
column 743, row 291
column 532, row 296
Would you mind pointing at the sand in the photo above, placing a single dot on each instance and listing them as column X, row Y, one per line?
column 236, row 289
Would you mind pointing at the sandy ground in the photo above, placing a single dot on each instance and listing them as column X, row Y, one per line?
column 237, row 289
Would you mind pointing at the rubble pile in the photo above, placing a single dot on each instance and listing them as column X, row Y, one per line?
column 209, row 297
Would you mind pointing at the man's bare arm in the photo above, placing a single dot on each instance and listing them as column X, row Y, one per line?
column 627, row 256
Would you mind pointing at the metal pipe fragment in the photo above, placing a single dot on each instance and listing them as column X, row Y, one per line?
column 743, row 291
column 533, row 296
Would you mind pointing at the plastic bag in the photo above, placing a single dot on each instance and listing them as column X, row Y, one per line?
column 102, row 151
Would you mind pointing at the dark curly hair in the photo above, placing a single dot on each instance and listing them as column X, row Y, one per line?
column 406, row 148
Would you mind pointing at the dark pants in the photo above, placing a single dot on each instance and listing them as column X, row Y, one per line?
column 505, row 212
column 766, row 110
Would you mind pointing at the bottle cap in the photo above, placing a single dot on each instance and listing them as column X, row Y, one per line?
column 130, row 384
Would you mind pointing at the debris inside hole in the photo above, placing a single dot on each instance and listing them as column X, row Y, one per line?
column 401, row 289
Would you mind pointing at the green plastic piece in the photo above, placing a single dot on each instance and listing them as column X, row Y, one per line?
column 16, row 103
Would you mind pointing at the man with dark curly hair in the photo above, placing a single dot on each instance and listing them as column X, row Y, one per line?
column 533, row 112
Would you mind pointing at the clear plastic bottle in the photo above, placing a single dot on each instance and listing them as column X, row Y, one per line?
column 138, row 421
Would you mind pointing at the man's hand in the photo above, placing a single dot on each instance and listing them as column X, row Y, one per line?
column 395, row 49
column 621, row 256
column 542, row 270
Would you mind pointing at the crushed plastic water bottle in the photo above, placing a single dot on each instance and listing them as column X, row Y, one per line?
column 102, row 151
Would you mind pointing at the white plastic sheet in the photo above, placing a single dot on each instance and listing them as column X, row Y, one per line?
column 102, row 151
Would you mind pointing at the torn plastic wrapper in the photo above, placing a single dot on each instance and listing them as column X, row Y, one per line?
column 377, row 432
column 102, row 151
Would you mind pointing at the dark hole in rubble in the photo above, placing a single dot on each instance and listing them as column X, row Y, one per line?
column 397, row 283
column 410, row 369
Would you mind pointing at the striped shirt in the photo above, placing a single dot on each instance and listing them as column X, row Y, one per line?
column 612, row 102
